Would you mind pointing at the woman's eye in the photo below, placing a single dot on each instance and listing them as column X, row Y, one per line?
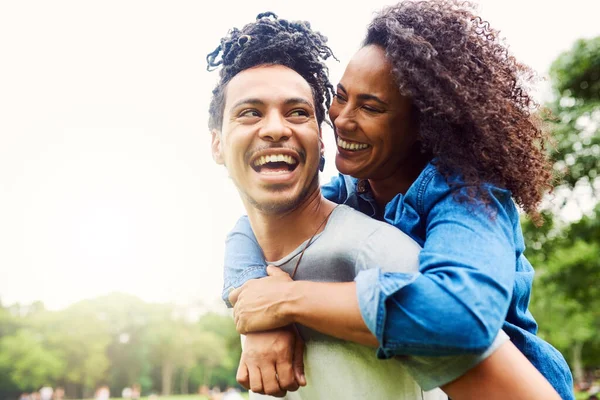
column 372, row 109
column 339, row 98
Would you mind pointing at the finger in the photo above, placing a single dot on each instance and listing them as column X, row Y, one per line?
column 255, row 380
column 242, row 376
column 285, row 375
column 299, row 358
column 274, row 271
column 233, row 296
column 270, row 382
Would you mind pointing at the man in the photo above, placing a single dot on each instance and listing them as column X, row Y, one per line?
column 265, row 120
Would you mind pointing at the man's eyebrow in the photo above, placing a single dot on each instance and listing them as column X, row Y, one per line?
column 249, row 101
column 259, row 102
column 298, row 100
column 364, row 96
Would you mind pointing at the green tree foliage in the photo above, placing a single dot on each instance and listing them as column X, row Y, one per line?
column 575, row 78
column 28, row 362
column 566, row 294
column 116, row 340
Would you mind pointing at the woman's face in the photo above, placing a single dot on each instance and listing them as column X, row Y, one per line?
column 374, row 126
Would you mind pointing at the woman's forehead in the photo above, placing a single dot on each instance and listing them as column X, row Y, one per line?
column 369, row 71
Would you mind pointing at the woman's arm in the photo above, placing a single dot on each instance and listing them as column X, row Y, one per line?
column 506, row 374
column 244, row 259
column 332, row 308
column 277, row 301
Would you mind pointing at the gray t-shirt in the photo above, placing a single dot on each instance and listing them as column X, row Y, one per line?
column 352, row 242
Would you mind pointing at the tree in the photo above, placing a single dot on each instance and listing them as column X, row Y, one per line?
column 566, row 298
column 81, row 336
column 28, row 362
column 575, row 77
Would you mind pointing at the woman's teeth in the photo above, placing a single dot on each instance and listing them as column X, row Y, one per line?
column 352, row 146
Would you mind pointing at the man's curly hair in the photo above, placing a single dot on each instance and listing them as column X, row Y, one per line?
column 475, row 114
column 272, row 41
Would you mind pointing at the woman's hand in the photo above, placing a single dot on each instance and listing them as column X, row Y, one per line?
column 259, row 304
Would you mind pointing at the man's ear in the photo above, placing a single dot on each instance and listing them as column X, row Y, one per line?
column 216, row 147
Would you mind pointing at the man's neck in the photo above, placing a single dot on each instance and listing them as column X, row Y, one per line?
column 280, row 234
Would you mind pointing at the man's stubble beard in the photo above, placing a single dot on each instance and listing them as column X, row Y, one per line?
column 281, row 207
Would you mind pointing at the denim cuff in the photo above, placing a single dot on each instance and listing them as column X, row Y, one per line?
column 253, row 272
column 373, row 288
column 367, row 291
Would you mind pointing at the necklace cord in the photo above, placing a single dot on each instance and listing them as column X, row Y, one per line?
column 310, row 241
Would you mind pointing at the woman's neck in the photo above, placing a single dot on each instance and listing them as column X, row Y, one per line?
column 385, row 189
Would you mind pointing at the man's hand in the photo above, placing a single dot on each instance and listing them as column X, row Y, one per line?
column 272, row 362
column 258, row 302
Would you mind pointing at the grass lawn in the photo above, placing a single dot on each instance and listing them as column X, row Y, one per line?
column 176, row 397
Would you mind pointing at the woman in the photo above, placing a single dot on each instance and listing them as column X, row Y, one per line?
column 435, row 136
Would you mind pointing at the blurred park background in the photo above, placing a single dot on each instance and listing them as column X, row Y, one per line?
column 113, row 215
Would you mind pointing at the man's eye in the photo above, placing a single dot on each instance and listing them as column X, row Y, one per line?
column 248, row 113
column 299, row 113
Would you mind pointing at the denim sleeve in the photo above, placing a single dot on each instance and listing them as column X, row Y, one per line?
column 458, row 300
column 244, row 259
column 335, row 190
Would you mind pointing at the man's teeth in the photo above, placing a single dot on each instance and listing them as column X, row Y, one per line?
column 351, row 146
column 262, row 160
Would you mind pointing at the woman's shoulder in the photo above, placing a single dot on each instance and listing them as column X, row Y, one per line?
column 434, row 189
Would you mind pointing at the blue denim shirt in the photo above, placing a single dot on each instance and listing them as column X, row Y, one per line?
column 473, row 278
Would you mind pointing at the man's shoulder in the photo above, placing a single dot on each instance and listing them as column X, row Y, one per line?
column 349, row 220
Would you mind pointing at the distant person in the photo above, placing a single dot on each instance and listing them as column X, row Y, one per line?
column 46, row 393
column 232, row 394
column 136, row 391
column 102, row 393
column 59, row 393
column 126, row 393
column 25, row 396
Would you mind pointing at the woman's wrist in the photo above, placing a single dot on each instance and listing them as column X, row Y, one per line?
column 291, row 309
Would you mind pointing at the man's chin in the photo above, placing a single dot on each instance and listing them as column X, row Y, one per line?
column 281, row 206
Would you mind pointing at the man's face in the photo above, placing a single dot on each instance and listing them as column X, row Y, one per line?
column 270, row 138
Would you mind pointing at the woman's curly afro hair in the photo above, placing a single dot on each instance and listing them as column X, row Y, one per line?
column 475, row 115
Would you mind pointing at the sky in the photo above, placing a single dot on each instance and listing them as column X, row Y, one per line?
column 106, row 177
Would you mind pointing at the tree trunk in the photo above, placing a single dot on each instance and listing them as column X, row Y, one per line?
column 167, row 377
column 577, row 363
column 185, row 381
column 207, row 375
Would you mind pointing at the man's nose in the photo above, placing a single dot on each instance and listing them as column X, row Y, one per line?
column 275, row 127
